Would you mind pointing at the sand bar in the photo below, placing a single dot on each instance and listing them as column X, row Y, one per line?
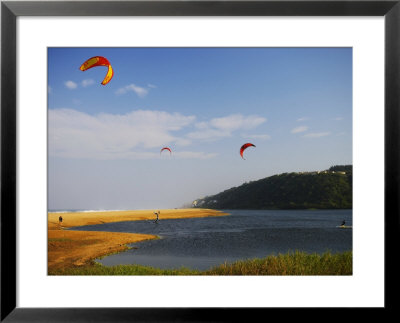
column 68, row 248
column 75, row 219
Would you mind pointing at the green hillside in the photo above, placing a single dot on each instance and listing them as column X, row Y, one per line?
column 330, row 189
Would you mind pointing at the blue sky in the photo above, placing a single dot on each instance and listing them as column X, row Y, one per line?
column 294, row 104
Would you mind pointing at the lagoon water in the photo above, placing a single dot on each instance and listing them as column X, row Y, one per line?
column 202, row 243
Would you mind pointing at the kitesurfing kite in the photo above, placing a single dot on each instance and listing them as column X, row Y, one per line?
column 244, row 147
column 99, row 61
column 165, row 148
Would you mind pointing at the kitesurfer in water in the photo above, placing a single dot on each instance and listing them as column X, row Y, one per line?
column 343, row 223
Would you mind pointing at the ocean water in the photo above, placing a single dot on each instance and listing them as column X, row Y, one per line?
column 201, row 243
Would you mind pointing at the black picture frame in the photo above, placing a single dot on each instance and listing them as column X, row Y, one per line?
column 10, row 10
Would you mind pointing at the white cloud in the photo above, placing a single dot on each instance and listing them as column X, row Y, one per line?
column 316, row 134
column 193, row 155
column 140, row 91
column 183, row 142
column 152, row 86
column 138, row 134
column 257, row 136
column 338, row 118
column 209, row 134
column 302, row 119
column 71, row 85
column 87, row 82
column 224, row 127
column 201, row 125
column 237, row 121
column 299, row 129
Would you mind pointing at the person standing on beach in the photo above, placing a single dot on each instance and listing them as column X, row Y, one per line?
column 156, row 213
column 60, row 219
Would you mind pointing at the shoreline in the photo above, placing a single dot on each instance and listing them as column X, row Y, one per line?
column 69, row 248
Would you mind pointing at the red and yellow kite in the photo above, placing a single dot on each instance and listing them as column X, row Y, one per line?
column 99, row 61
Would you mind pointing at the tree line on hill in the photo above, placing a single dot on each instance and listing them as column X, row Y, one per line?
column 328, row 189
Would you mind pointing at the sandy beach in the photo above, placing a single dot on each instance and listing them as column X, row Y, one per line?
column 67, row 248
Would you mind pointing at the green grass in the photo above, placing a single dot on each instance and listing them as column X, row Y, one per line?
column 296, row 263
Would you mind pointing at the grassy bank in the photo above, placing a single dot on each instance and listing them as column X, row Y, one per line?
column 297, row 263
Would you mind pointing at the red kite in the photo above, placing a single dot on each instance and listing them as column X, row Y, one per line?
column 165, row 148
column 244, row 147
